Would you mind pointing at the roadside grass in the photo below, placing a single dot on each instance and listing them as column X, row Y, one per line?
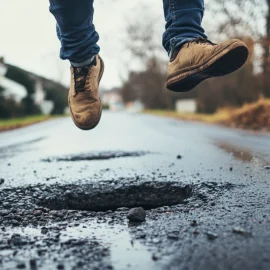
column 221, row 115
column 9, row 124
column 254, row 116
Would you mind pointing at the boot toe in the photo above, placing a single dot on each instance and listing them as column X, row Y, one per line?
column 88, row 118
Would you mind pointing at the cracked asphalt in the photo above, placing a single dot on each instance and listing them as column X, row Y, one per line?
column 65, row 195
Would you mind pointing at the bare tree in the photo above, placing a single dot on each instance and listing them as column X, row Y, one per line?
column 146, row 79
column 246, row 18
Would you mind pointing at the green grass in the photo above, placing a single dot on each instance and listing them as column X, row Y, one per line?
column 8, row 124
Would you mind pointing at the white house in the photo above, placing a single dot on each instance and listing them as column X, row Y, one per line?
column 39, row 95
column 186, row 105
column 12, row 89
column 111, row 96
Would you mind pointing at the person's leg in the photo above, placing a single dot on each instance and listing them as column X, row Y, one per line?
column 78, row 37
column 75, row 30
column 193, row 58
column 183, row 22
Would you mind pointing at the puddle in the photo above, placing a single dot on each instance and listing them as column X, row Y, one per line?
column 111, row 195
column 96, row 156
column 124, row 253
column 242, row 154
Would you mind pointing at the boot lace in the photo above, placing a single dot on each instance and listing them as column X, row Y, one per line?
column 80, row 76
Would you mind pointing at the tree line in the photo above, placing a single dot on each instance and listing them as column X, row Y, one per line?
column 248, row 20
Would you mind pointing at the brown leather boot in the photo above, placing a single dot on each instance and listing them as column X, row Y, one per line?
column 83, row 99
column 201, row 59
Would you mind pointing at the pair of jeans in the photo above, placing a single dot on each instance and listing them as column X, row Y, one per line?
column 78, row 37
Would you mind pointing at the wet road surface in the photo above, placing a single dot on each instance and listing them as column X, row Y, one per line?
column 65, row 195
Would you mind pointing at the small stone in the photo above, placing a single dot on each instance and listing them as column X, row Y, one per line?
column 60, row 267
column 2, row 181
column 44, row 230
column 21, row 265
column 267, row 167
column 67, row 192
column 136, row 214
column 193, row 223
column 140, row 235
column 179, row 157
column 122, row 209
column 38, row 213
column 155, row 257
column 231, row 169
column 33, row 264
column 16, row 240
column 156, row 240
column 211, row 235
column 239, row 230
column 4, row 213
column 173, row 235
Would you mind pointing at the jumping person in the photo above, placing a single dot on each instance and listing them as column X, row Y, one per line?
column 193, row 58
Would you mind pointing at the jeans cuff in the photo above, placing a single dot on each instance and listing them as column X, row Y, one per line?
column 84, row 63
column 177, row 42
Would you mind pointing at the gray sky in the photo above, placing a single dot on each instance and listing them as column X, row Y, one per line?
column 28, row 36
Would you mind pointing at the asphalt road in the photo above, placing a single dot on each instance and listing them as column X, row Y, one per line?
column 65, row 195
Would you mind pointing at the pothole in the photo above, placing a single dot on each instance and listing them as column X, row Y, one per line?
column 96, row 156
column 96, row 197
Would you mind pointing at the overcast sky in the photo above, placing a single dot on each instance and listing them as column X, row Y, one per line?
column 28, row 36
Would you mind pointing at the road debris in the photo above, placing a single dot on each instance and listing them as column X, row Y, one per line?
column 173, row 235
column 211, row 235
column 137, row 214
column 193, row 223
column 241, row 231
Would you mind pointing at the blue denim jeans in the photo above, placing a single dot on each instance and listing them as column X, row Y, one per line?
column 78, row 37
column 183, row 22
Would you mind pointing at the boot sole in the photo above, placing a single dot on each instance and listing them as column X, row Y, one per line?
column 100, row 110
column 219, row 65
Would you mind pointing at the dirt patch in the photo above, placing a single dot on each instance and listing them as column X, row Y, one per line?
column 96, row 156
